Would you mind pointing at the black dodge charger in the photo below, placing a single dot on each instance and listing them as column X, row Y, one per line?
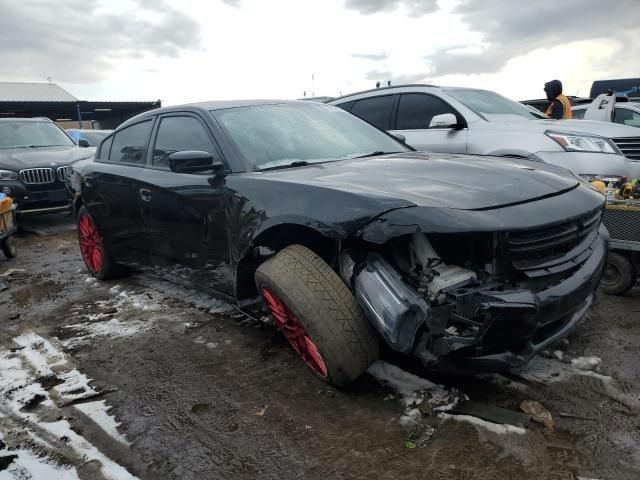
column 344, row 234
column 35, row 155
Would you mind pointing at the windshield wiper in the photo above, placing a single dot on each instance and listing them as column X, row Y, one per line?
column 297, row 163
column 377, row 153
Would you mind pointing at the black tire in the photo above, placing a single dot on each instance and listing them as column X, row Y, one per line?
column 619, row 275
column 327, row 310
column 9, row 247
column 107, row 268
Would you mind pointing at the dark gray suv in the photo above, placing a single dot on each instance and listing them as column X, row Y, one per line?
column 35, row 155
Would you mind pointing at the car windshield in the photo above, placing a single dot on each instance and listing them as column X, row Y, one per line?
column 32, row 135
column 492, row 106
column 291, row 134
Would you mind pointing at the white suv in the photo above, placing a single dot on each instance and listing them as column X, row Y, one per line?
column 466, row 120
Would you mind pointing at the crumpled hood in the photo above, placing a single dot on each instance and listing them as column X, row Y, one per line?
column 437, row 180
column 20, row 158
column 588, row 127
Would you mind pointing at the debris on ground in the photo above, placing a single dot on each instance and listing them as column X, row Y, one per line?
column 491, row 413
column 261, row 412
column 537, row 412
column 478, row 422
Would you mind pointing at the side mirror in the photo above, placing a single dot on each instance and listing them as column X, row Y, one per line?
column 83, row 142
column 400, row 137
column 192, row 161
column 444, row 120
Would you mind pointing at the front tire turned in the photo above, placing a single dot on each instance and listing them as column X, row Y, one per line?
column 318, row 315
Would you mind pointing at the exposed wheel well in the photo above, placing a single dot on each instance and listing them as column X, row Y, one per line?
column 276, row 238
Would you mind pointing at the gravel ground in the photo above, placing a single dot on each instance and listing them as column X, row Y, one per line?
column 143, row 378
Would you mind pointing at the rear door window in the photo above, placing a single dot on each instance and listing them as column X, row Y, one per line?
column 415, row 110
column 625, row 116
column 130, row 144
column 375, row 110
column 179, row 133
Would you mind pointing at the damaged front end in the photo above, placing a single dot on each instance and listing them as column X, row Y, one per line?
column 479, row 301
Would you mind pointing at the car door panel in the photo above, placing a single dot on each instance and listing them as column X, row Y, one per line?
column 110, row 194
column 184, row 214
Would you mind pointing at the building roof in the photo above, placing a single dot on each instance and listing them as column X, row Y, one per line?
column 33, row 92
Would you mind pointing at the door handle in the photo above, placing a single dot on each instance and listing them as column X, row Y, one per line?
column 88, row 181
column 145, row 194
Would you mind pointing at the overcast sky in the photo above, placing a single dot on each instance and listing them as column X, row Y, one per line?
column 184, row 51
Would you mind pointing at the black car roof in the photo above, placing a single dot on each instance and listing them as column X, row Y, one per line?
column 207, row 106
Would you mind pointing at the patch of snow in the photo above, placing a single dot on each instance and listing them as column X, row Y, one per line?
column 75, row 387
column 11, row 271
column 113, row 328
column 586, row 363
column 197, row 299
column 115, row 289
column 414, row 391
column 39, row 353
column 108, row 467
column 493, row 427
column 411, row 417
column 20, row 372
column 402, row 382
column 30, row 466
column 98, row 412
column 212, row 345
column 544, row 370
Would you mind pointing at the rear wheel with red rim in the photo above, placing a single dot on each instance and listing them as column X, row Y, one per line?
column 96, row 258
column 317, row 314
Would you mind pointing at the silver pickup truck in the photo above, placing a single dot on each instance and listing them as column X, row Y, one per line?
column 466, row 120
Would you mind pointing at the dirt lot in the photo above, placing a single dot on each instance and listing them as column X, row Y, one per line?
column 143, row 378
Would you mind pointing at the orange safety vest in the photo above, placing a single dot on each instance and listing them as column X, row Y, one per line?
column 565, row 103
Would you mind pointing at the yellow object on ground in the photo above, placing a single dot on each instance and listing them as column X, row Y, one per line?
column 6, row 204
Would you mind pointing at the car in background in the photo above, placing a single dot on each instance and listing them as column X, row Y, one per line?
column 94, row 137
column 344, row 234
column 608, row 107
column 35, row 155
column 467, row 120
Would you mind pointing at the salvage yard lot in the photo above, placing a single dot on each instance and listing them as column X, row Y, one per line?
column 139, row 377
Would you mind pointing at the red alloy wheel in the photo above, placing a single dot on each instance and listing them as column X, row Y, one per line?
column 295, row 333
column 90, row 243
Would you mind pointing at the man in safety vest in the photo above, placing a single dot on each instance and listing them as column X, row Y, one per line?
column 560, row 106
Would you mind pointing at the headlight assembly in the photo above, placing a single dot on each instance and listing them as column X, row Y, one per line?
column 574, row 142
column 8, row 175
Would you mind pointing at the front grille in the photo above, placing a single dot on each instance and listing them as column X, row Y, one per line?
column 629, row 146
column 63, row 172
column 37, row 176
column 553, row 249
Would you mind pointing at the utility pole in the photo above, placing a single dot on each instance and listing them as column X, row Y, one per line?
column 313, row 85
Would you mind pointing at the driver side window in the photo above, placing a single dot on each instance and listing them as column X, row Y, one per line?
column 416, row 110
column 176, row 134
